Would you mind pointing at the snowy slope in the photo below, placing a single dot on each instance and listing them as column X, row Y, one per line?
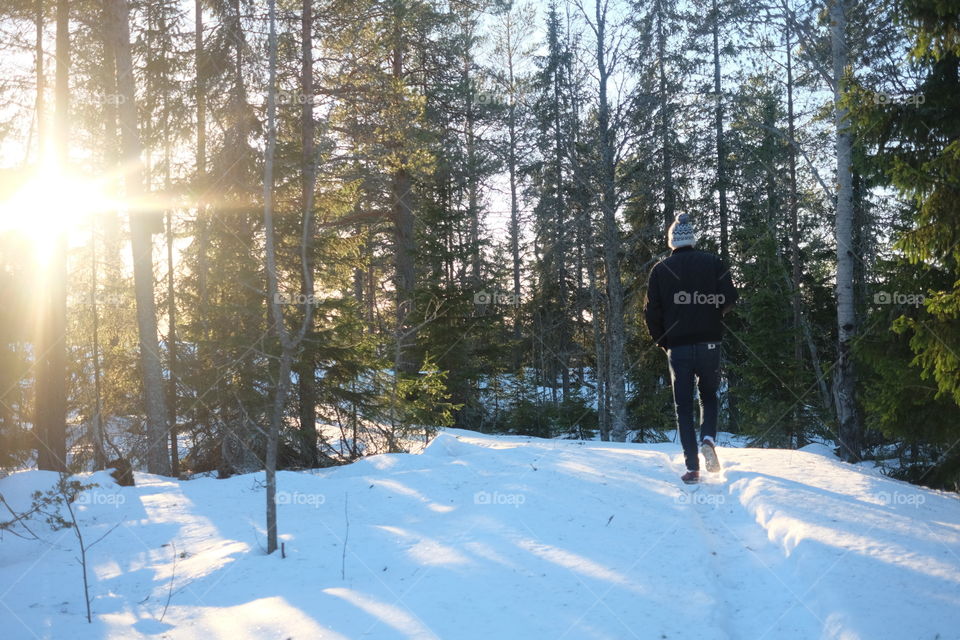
column 502, row 537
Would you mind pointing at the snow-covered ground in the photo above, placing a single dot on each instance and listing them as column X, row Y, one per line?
column 501, row 537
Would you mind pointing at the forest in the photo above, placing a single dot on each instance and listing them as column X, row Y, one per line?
column 243, row 235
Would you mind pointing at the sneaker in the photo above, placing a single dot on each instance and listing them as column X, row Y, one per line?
column 691, row 477
column 710, row 455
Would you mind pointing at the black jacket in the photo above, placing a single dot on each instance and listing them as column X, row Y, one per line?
column 687, row 297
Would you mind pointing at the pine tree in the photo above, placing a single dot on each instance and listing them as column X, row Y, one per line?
column 551, row 330
column 915, row 149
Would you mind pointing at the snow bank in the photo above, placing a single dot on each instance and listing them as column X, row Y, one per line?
column 503, row 537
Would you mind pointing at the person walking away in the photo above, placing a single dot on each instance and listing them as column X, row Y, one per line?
column 688, row 294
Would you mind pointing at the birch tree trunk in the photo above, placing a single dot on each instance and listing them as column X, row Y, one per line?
column 844, row 384
column 289, row 342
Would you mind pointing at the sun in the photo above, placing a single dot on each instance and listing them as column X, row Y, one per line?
column 49, row 204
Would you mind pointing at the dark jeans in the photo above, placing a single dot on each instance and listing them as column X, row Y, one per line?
column 703, row 362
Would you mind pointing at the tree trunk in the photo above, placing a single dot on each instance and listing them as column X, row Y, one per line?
column 172, row 345
column 721, row 147
column 562, row 355
column 669, row 193
column 96, row 432
column 585, row 233
column 51, row 383
column 204, row 212
column 41, row 78
column 473, row 180
column 514, row 200
column 611, row 243
column 141, row 242
column 845, row 377
column 404, row 237
column 405, row 274
column 599, row 344
column 306, row 371
column 203, row 233
column 8, row 383
column 289, row 343
column 283, row 381
column 794, row 228
column 171, row 270
column 112, row 258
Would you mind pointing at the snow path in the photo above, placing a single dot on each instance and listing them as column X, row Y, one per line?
column 760, row 597
column 501, row 537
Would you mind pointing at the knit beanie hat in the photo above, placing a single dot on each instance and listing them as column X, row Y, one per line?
column 681, row 233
